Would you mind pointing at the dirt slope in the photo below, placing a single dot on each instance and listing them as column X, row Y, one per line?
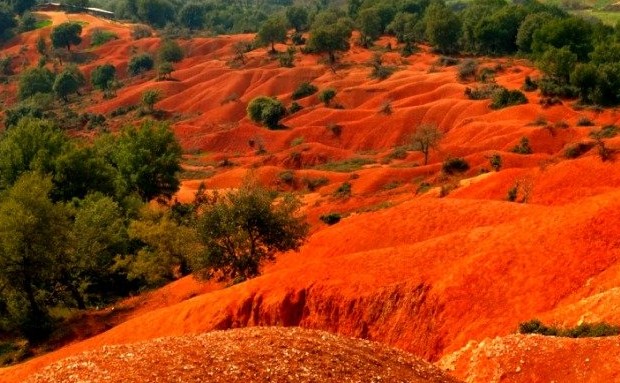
column 534, row 358
column 246, row 355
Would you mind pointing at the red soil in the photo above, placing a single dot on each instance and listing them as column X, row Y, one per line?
column 405, row 268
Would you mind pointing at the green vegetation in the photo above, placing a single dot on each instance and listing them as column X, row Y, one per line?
column 243, row 229
column 170, row 51
column 266, row 111
column 141, row 63
column 303, row 90
column 346, row 166
column 272, row 31
column 523, row 147
column 584, row 330
column 66, row 34
column 454, row 165
column 331, row 218
column 327, row 95
column 101, row 36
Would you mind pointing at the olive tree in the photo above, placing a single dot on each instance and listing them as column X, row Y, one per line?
column 243, row 229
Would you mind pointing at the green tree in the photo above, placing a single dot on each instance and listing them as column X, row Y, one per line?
column 41, row 46
column 7, row 22
column 33, row 238
column 192, row 16
column 245, row 228
column 574, row 33
column 167, row 251
column 21, row 6
column 140, row 63
column 530, row 24
column 297, row 18
column 32, row 145
column 103, row 76
column 558, row 63
column 66, row 34
column 266, row 111
column 76, row 5
column 585, row 77
column 369, row 24
column 79, row 170
column 68, row 82
column 98, row 234
column 35, row 80
column 426, row 138
column 403, row 27
column 330, row 34
column 155, row 12
column 272, row 31
column 170, row 51
column 148, row 160
column 164, row 70
column 149, row 99
column 443, row 27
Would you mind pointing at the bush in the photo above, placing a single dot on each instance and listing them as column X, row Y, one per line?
column 607, row 131
column 467, row 70
column 298, row 39
column 140, row 64
column 483, row 92
column 503, row 98
column 266, row 111
column 343, row 191
column 327, row 95
column 576, row 150
column 331, row 218
column 170, row 51
column 549, row 87
column 287, row 59
column 386, row 108
column 287, row 176
column 381, row 72
column 447, row 61
column 523, row 147
column 584, row 330
column 314, row 183
column 496, row 162
column 584, row 121
column 140, row 32
column 101, row 36
column 304, row 89
column 455, row 165
column 294, row 108
column 529, row 85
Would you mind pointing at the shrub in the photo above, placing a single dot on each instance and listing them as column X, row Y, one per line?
column 314, row 183
column 331, row 218
column 150, row 98
column 523, row 147
column 140, row 63
column 140, row 32
column 386, row 108
column 343, row 191
column 576, row 150
column 381, row 72
column 298, row 39
column 6, row 68
column 170, row 51
column 549, row 87
column 584, row 121
column 287, row 176
column 607, row 131
column 503, row 98
column 266, row 111
column 287, row 59
column 327, row 95
column 294, row 108
column 467, row 70
column 529, row 85
column 304, row 89
column 483, row 92
column 512, row 193
column 334, row 129
column 496, row 162
column 584, row 330
column 455, row 165
column 447, row 61
column 164, row 70
column 101, row 36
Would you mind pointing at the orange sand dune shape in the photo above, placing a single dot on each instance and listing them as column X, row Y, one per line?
column 535, row 358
